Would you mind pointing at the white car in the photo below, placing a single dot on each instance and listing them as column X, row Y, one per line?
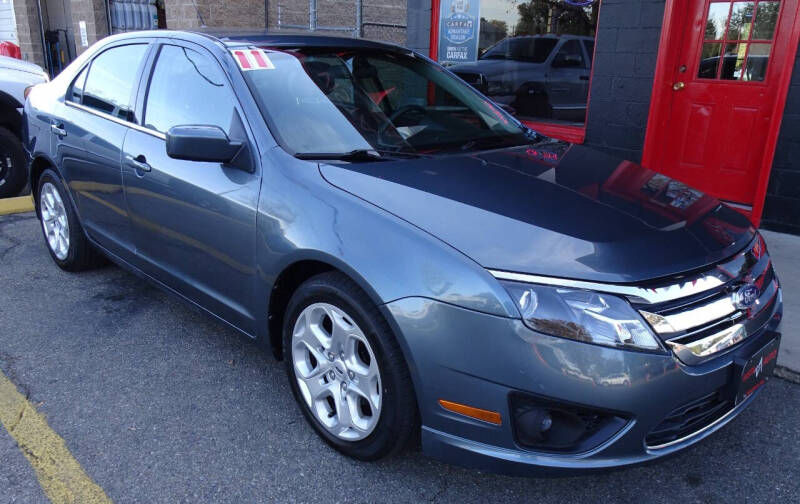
column 15, row 77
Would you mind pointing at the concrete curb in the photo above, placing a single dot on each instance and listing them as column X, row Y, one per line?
column 784, row 249
column 787, row 374
column 16, row 205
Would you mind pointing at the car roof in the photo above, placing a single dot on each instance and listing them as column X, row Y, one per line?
column 293, row 40
column 230, row 38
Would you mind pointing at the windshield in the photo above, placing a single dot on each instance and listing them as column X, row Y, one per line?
column 328, row 100
column 531, row 49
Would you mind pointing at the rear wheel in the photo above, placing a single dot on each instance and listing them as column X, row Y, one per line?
column 13, row 173
column 62, row 231
column 346, row 369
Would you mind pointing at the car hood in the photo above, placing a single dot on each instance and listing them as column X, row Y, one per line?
column 22, row 66
column 554, row 209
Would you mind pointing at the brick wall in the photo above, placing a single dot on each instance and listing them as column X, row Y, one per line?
column 625, row 58
column 29, row 31
column 341, row 16
column 782, row 206
column 338, row 16
column 182, row 14
column 93, row 13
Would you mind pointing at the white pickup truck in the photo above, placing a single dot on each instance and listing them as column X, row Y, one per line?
column 15, row 77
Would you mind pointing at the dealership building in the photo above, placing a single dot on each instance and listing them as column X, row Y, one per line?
column 705, row 91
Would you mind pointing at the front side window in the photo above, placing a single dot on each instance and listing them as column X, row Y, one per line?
column 187, row 88
column 337, row 100
column 570, row 55
column 111, row 79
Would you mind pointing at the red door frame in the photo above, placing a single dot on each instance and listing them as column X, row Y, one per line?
column 675, row 13
column 572, row 134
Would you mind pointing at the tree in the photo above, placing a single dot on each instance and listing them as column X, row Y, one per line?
column 556, row 16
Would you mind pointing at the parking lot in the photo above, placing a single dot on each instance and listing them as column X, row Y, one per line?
column 160, row 403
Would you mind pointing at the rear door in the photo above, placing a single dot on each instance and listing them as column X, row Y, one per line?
column 89, row 131
column 194, row 222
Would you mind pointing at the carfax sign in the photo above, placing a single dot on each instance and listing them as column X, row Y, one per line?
column 459, row 23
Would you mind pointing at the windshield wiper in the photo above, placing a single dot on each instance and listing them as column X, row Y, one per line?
column 353, row 155
column 361, row 155
column 485, row 143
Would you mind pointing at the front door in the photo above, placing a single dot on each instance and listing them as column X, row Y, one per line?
column 194, row 222
column 724, row 87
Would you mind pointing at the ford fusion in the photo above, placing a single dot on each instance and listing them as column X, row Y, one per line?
column 420, row 260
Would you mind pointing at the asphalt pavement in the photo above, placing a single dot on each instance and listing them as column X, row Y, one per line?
column 160, row 403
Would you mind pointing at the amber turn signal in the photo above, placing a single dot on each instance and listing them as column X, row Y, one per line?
column 492, row 417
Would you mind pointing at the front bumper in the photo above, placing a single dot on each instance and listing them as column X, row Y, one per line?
column 480, row 360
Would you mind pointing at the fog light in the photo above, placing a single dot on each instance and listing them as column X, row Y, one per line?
column 547, row 425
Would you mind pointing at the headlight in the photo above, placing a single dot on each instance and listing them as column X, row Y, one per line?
column 581, row 315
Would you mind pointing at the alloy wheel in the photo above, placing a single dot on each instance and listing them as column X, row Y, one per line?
column 54, row 220
column 336, row 371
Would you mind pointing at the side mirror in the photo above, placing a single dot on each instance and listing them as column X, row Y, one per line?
column 201, row 143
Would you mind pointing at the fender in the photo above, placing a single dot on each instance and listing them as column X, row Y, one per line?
column 302, row 216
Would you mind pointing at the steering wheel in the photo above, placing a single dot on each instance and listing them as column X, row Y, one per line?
column 395, row 116
column 405, row 110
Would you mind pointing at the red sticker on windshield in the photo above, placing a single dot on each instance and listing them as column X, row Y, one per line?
column 252, row 59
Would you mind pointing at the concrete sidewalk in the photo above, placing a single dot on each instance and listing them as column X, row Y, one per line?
column 785, row 252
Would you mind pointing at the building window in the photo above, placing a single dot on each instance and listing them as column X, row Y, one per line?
column 740, row 34
column 532, row 57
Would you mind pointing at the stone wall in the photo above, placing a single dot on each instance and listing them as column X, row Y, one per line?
column 29, row 31
column 93, row 13
column 183, row 14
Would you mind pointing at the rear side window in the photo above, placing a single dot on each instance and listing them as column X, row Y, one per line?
column 187, row 88
column 112, row 78
column 76, row 91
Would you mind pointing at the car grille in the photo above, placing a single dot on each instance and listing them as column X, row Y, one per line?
column 689, row 418
column 707, row 322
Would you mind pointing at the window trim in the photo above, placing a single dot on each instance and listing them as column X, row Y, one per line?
column 566, row 132
column 113, row 119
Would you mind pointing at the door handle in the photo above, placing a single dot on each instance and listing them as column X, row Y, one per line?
column 678, row 86
column 138, row 163
column 59, row 130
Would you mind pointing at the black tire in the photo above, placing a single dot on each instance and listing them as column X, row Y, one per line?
column 398, row 416
column 13, row 172
column 81, row 255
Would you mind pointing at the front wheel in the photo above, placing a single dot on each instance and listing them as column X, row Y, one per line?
column 346, row 369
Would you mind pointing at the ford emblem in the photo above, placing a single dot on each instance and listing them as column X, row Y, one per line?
column 745, row 296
